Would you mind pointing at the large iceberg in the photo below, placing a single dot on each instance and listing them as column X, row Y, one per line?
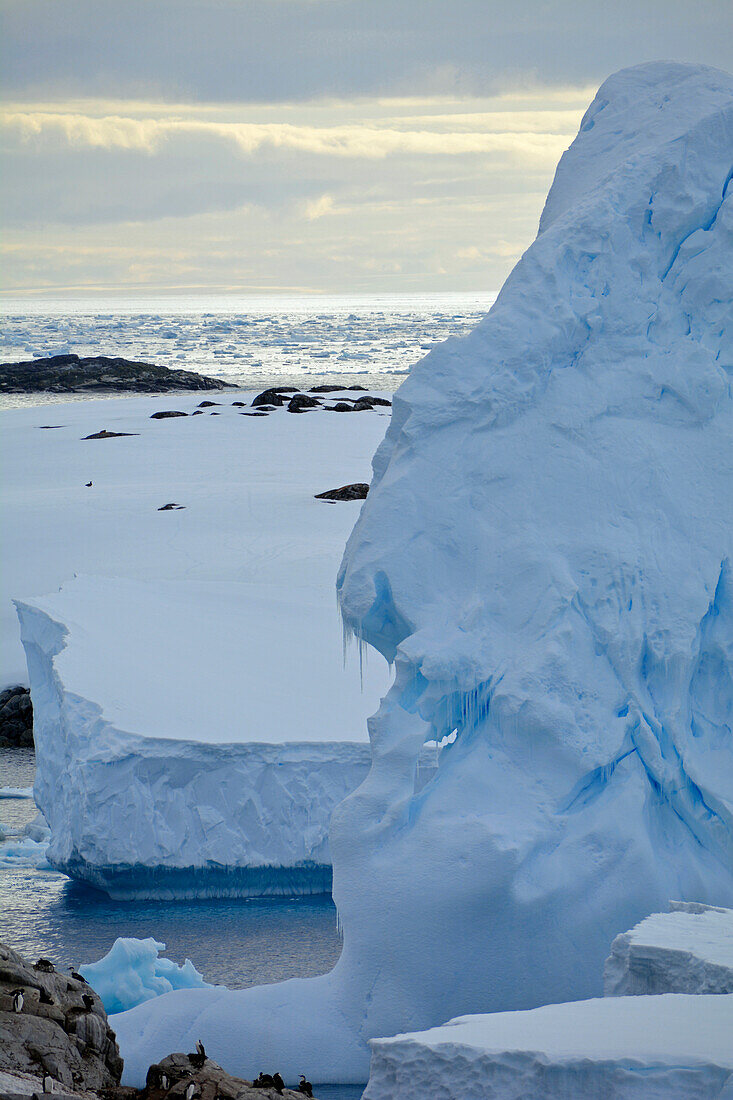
column 195, row 719
column 545, row 554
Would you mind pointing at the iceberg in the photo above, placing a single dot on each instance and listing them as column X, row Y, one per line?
column 688, row 950
column 545, row 555
column 195, row 717
column 131, row 972
column 667, row 1047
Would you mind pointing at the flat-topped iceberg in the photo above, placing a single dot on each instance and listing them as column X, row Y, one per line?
column 669, row 1047
column 545, row 553
column 688, row 950
column 195, row 719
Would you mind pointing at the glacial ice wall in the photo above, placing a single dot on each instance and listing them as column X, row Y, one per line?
column 545, row 553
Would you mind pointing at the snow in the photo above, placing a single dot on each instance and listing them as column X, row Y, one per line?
column 545, row 552
column 132, row 972
column 688, row 950
column 628, row 1048
column 194, row 716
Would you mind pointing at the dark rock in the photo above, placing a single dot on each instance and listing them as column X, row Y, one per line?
column 254, row 414
column 104, row 434
column 325, row 389
column 302, row 402
column 210, row 1081
column 172, row 507
column 364, row 404
column 340, row 407
column 207, row 404
column 48, row 427
column 357, row 491
column 268, row 397
column 381, row 401
column 16, row 717
column 362, row 388
column 99, row 374
column 239, row 404
column 54, row 1034
column 167, row 414
column 197, row 412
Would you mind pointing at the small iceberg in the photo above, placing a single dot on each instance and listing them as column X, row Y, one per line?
column 16, row 792
column 131, row 973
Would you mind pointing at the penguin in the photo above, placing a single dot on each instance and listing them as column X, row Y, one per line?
column 17, row 995
column 190, row 1090
column 78, row 977
column 278, row 1083
column 264, row 1081
column 88, row 1001
column 44, row 998
column 305, row 1086
column 45, row 965
column 199, row 1058
column 164, row 1082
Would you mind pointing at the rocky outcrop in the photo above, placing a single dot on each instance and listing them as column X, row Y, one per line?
column 99, row 374
column 54, row 1027
column 178, row 1072
column 357, row 491
column 16, row 717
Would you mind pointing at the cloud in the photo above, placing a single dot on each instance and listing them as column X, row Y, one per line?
column 361, row 141
column 316, row 208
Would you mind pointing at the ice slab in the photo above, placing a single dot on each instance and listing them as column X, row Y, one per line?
column 669, row 1047
column 688, row 950
column 132, row 971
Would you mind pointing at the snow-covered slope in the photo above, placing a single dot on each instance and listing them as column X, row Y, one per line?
column 688, row 950
column 546, row 551
column 670, row 1047
column 193, row 733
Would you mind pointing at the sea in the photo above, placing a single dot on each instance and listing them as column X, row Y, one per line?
column 252, row 342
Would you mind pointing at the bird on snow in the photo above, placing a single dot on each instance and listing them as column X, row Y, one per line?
column 88, row 484
column 17, row 995
column 305, row 1086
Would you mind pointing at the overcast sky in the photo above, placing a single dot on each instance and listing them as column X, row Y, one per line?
column 189, row 146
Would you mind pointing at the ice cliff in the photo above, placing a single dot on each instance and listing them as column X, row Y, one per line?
column 545, row 553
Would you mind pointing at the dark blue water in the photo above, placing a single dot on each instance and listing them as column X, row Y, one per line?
column 238, row 943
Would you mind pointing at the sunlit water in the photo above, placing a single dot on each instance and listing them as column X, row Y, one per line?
column 250, row 342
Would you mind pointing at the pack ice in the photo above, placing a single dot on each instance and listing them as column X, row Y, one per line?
column 195, row 722
column 545, row 554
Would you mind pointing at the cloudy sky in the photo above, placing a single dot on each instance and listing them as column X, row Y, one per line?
column 365, row 146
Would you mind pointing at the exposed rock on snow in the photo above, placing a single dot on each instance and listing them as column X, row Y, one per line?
column 688, row 950
column 545, row 552
column 358, row 491
column 60, row 1028
column 99, row 374
column 669, row 1047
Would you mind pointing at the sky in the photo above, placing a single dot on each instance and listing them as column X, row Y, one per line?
column 155, row 147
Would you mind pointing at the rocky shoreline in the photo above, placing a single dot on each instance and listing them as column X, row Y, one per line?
column 55, row 1040
column 99, row 374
